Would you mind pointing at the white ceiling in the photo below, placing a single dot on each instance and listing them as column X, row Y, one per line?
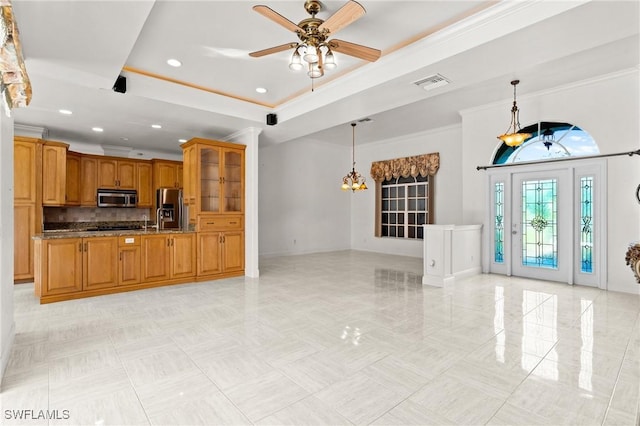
column 74, row 51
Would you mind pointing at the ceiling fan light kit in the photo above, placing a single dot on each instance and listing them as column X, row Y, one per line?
column 315, row 51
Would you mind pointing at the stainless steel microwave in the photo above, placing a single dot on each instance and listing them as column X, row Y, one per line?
column 117, row 198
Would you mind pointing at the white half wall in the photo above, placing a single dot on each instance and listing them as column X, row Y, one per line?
column 302, row 209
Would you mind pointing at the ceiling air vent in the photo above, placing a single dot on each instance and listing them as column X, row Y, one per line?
column 432, row 82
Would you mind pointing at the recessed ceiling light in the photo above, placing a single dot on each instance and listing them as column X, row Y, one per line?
column 97, row 129
column 156, row 126
column 65, row 111
column 174, row 62
column 261, row 90
column 182, row 140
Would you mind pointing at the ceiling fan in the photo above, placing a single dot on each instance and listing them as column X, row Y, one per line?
column 314, row 47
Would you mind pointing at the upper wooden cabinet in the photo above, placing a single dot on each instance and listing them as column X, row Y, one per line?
column 116, row 173
column 88, row 181
column 27, row 161
column 190, row 176
column 54, row 173
column 72, row 187
column 167, row 174
column 144, row 183
column 218, row 182
column 27, row 198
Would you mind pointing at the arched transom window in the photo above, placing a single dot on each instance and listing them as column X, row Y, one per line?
column 548, row 140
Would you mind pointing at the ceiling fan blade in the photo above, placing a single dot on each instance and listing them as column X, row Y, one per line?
column 363, row 52
column 267, row 12
column 271, row 50
column 346, row 15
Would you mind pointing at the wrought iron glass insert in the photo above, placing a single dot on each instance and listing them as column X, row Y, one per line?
column 586, row 224
column 540, row 223
column 405, row 207
column 498, row 227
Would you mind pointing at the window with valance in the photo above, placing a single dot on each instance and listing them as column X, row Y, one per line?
column 404, row 195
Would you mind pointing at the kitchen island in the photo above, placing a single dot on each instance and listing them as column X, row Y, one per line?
column 77, row 264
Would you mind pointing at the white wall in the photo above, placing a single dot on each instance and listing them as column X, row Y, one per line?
column 7, row 328
column 609, row 109
column 448, row 187
column 302, row 208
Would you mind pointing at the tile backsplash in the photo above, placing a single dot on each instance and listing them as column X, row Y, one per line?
column 84, row 214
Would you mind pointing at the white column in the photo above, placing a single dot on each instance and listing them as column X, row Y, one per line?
column 7, row 324
column 249, row 137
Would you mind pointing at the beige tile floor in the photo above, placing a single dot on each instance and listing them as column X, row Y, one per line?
column 331, row 339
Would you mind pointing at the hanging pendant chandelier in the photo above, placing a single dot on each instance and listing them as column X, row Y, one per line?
column 513, row 136
column 353, row 181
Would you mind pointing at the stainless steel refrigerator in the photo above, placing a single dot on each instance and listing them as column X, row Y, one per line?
column 170, row 208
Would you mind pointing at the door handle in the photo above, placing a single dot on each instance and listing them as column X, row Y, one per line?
column 514, row 232
column 80, row 247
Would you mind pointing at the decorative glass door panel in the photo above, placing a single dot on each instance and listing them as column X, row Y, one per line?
column 210, row 180
column 539, row 223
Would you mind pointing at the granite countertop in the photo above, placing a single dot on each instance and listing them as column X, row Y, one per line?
column 59, row 233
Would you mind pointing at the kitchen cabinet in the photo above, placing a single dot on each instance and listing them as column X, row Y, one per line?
column 24, row 227
column 68, row 265
column 214, row 190
column 71, row 268
column 217, row 186
column 220, row 252
column 27, row 199
column 54, row 173
column 190, row 173
column 27, row 161
column 168, row 256
column 58, row 265
column 99, row 262
column 116, row 173
column 72, row 186
column 144, row 184
column 129, row 260
column 167, row 174
column 88, row 181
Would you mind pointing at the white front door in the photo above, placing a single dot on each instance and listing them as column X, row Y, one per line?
column 547, row 222
column 541, row 225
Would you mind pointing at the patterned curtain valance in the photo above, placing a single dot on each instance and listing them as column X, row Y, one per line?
column 423, row 165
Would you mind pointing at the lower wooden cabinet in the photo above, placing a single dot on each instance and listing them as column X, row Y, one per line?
column 74, row 264
column 168, row 257
column 67, row 268
column 220, row 252
column 24, row 227
column 58, row 266
column 99, row 262
column 129, row 260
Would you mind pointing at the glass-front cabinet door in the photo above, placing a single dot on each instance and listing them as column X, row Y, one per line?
column 210, row 179
column 232, row 182
column 221, row 174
